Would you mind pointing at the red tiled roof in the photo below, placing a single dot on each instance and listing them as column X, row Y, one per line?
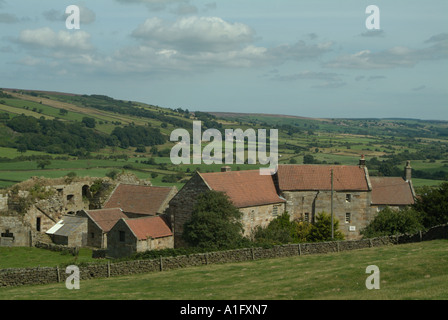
column 106, row 218
column 138, row 199
column 149, row 227
column 318, row 177
column 244, row 188
column 391, row 191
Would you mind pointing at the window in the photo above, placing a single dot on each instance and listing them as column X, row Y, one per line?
column 122, row 236
column 275, row 210
column 348, row 197
column 38, row 224
column 348, row 217
column 7, row 234
column 92, row 235
column 307, row 217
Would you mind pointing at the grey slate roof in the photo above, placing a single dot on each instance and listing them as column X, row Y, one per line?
column 66, row 225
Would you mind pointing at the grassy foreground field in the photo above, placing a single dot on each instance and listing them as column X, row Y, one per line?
column 411, row 271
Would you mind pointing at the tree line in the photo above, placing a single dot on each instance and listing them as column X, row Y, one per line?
column 59, row 137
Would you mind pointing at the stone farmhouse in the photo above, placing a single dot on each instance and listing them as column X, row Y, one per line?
column 253, row 194
column 302, row 190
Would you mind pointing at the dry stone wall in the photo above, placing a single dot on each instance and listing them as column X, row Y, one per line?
column 33, row 276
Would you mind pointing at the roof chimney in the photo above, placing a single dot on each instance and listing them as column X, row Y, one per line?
column 226, row 169
column 362, row 162
column 408, row 171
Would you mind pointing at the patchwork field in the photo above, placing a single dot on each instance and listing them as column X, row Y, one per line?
column 386, row 143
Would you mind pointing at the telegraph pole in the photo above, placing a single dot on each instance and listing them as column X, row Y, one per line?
column 332, row 191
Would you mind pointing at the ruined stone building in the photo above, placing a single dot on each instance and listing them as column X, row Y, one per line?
column 69, row 211
column 31, row 208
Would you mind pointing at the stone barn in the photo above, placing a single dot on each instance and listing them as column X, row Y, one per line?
column 69, row 231
column 253, row 194
column 129, row 236
column 100, row 222
column 140, row 200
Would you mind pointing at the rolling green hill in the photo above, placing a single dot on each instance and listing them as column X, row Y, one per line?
column 95, row 135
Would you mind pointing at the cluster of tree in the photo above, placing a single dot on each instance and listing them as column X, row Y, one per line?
column 284, row 230
column 54, row 136
column 391, row 168
column 137, row 136
column 430, row 209
column 128, row 108
column 208, row 120
column 76, row 138
column 5, row 95
column 310, row 159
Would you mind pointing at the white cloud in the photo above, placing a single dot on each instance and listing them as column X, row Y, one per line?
column 194, row 34
column 61, row 41
column 395, row 57
column 205, row 44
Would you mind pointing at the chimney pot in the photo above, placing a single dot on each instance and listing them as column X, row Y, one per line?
column 362, row 161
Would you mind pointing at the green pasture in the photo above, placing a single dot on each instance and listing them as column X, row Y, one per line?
column 30, row 257
column 410, row 271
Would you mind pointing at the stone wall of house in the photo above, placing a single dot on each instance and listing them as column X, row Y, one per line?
column 3, row 202
column 127, row 244
column 160, row 243
column 121, row 245
column 28, row 276
column 95, row 236
column 13, row 233
column 259, row 216
column 300, row 204
column 181, row 207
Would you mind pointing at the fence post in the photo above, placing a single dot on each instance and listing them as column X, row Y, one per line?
column 300, row 250
column 59, row 274
column 161, row 264
column 108, row 269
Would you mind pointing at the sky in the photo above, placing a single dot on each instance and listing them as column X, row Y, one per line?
column 310, row 58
